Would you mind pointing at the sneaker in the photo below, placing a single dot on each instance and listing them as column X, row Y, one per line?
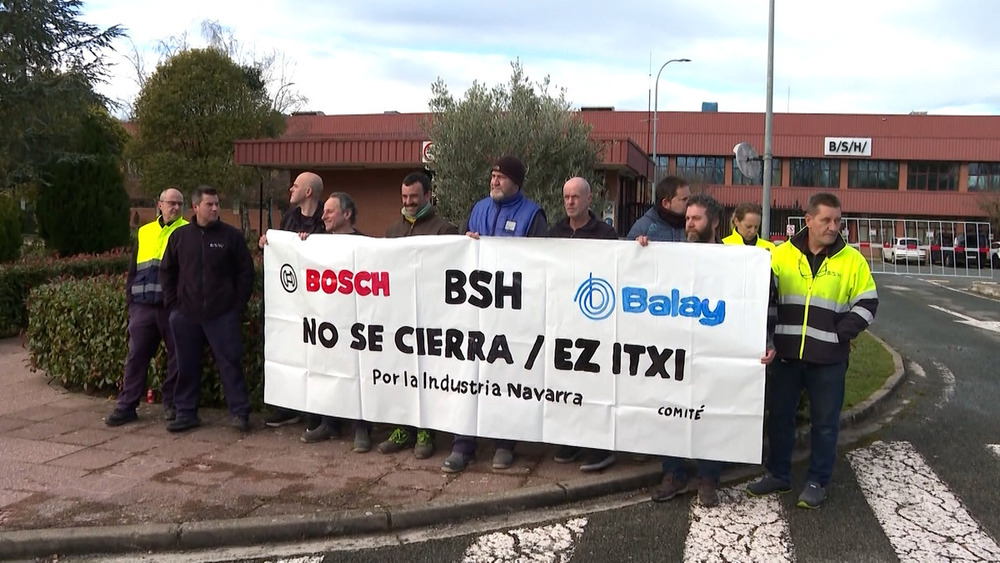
column 425, row 445
column 362, row 441
column 669, row 488
column 503, row 458
column 812, row 496
column 456, row 462
column 121, row 416
column 708, row 495
column 325, row 431
column 397, row 442
column 183, row 423
column 240, row 422
column 768, row 484
column 169, row 413
column 567, row 454
column 598, row 460
column 281, row 417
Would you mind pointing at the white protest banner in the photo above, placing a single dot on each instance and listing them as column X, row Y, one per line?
column 601, row 344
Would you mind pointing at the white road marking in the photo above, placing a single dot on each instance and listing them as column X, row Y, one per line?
column 741, row 528
column 940, row 283
column 549, row 544
column 949, row 384
column 897, row 287
column 917, row 369
column 995, row 448
column 993, row 326
column 306, row 559
column 921, row 517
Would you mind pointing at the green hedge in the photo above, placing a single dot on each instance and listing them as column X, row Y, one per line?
column 78, row 334
column 17, row 280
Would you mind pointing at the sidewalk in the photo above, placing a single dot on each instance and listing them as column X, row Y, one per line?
column 140, row 487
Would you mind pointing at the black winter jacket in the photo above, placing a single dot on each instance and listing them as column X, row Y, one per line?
column 206, row 271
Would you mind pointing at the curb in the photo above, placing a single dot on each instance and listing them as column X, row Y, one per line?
column 258, row 530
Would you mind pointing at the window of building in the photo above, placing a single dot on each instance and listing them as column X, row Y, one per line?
column 815, row 172
column 702, row 169
column 984, row 176
column 740, row 180
column 873, row 174
column 932, row 176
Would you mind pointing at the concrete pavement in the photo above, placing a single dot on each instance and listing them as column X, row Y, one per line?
column 69, row 484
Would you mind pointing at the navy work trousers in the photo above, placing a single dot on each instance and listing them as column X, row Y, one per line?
column 147, row 326
column 223, row 336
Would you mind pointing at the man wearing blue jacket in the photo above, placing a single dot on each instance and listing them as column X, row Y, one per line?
column 207, row 277
column 505, row 213
column 664, row 221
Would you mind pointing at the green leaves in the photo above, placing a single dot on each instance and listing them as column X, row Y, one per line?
column 78, row 334
column 521, row 119
column 188, row 115
column 17, row 281
column 49, row 61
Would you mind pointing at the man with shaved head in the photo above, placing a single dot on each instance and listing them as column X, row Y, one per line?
column 580, row 222
column 305, row 217
column 148, row 319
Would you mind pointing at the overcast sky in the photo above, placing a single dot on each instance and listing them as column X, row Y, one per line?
column 848, row 56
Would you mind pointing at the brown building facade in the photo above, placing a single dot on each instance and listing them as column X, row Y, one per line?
column 891, row 166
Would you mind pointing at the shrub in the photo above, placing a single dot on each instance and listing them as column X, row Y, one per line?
column 17, row 280
column 78, row 334
column 84, row 206
column 10, row 229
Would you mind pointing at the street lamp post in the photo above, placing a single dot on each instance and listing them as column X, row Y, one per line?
column 656, row 101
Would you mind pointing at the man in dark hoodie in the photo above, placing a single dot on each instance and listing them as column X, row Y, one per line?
column 305, row 215
column 207, row 277
column 665, row 220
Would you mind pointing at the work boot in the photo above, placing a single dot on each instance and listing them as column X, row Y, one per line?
column 812, row 495
column 708, row 494
column 184, row 423
column 326, row 430
column 669, row 488
column 240, row 422
column 281, row 417
column 398, row 441
column 456, row 462
column 567, row 454
column 597, row 461
column 503, row 458
column 768, row 484
column 121, row 416
column 362, row 441
column 425, row 445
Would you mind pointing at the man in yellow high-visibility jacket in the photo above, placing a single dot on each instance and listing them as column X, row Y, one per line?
column 826, row 297
column 148, row 321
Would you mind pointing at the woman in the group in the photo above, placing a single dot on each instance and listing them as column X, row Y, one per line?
column 746, row 225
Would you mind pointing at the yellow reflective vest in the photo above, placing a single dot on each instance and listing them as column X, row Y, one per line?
column 818, row 312
column 737, row 238
column 144, row 281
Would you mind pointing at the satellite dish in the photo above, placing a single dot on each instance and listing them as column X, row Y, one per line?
column 747, row 160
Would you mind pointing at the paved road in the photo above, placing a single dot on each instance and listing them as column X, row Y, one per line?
column 922, row 488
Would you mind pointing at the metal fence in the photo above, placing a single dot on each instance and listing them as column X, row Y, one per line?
column 920, row 246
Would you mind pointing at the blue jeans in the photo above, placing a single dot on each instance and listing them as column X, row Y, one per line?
column 824, row 385
column 706, row 468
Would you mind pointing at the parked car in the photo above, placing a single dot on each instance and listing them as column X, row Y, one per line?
column 905, row 249
column 972, row 251
column 995, row 255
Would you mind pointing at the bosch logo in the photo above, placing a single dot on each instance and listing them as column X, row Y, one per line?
column 288, row 279
column 346, row 282
column 596, row 298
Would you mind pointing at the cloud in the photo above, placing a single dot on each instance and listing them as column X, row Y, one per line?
column 851, row 56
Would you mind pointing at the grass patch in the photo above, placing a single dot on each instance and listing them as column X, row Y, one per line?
column 871, row 364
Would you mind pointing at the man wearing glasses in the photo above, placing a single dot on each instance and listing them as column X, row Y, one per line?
column 148, row 319
column 826, row 296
